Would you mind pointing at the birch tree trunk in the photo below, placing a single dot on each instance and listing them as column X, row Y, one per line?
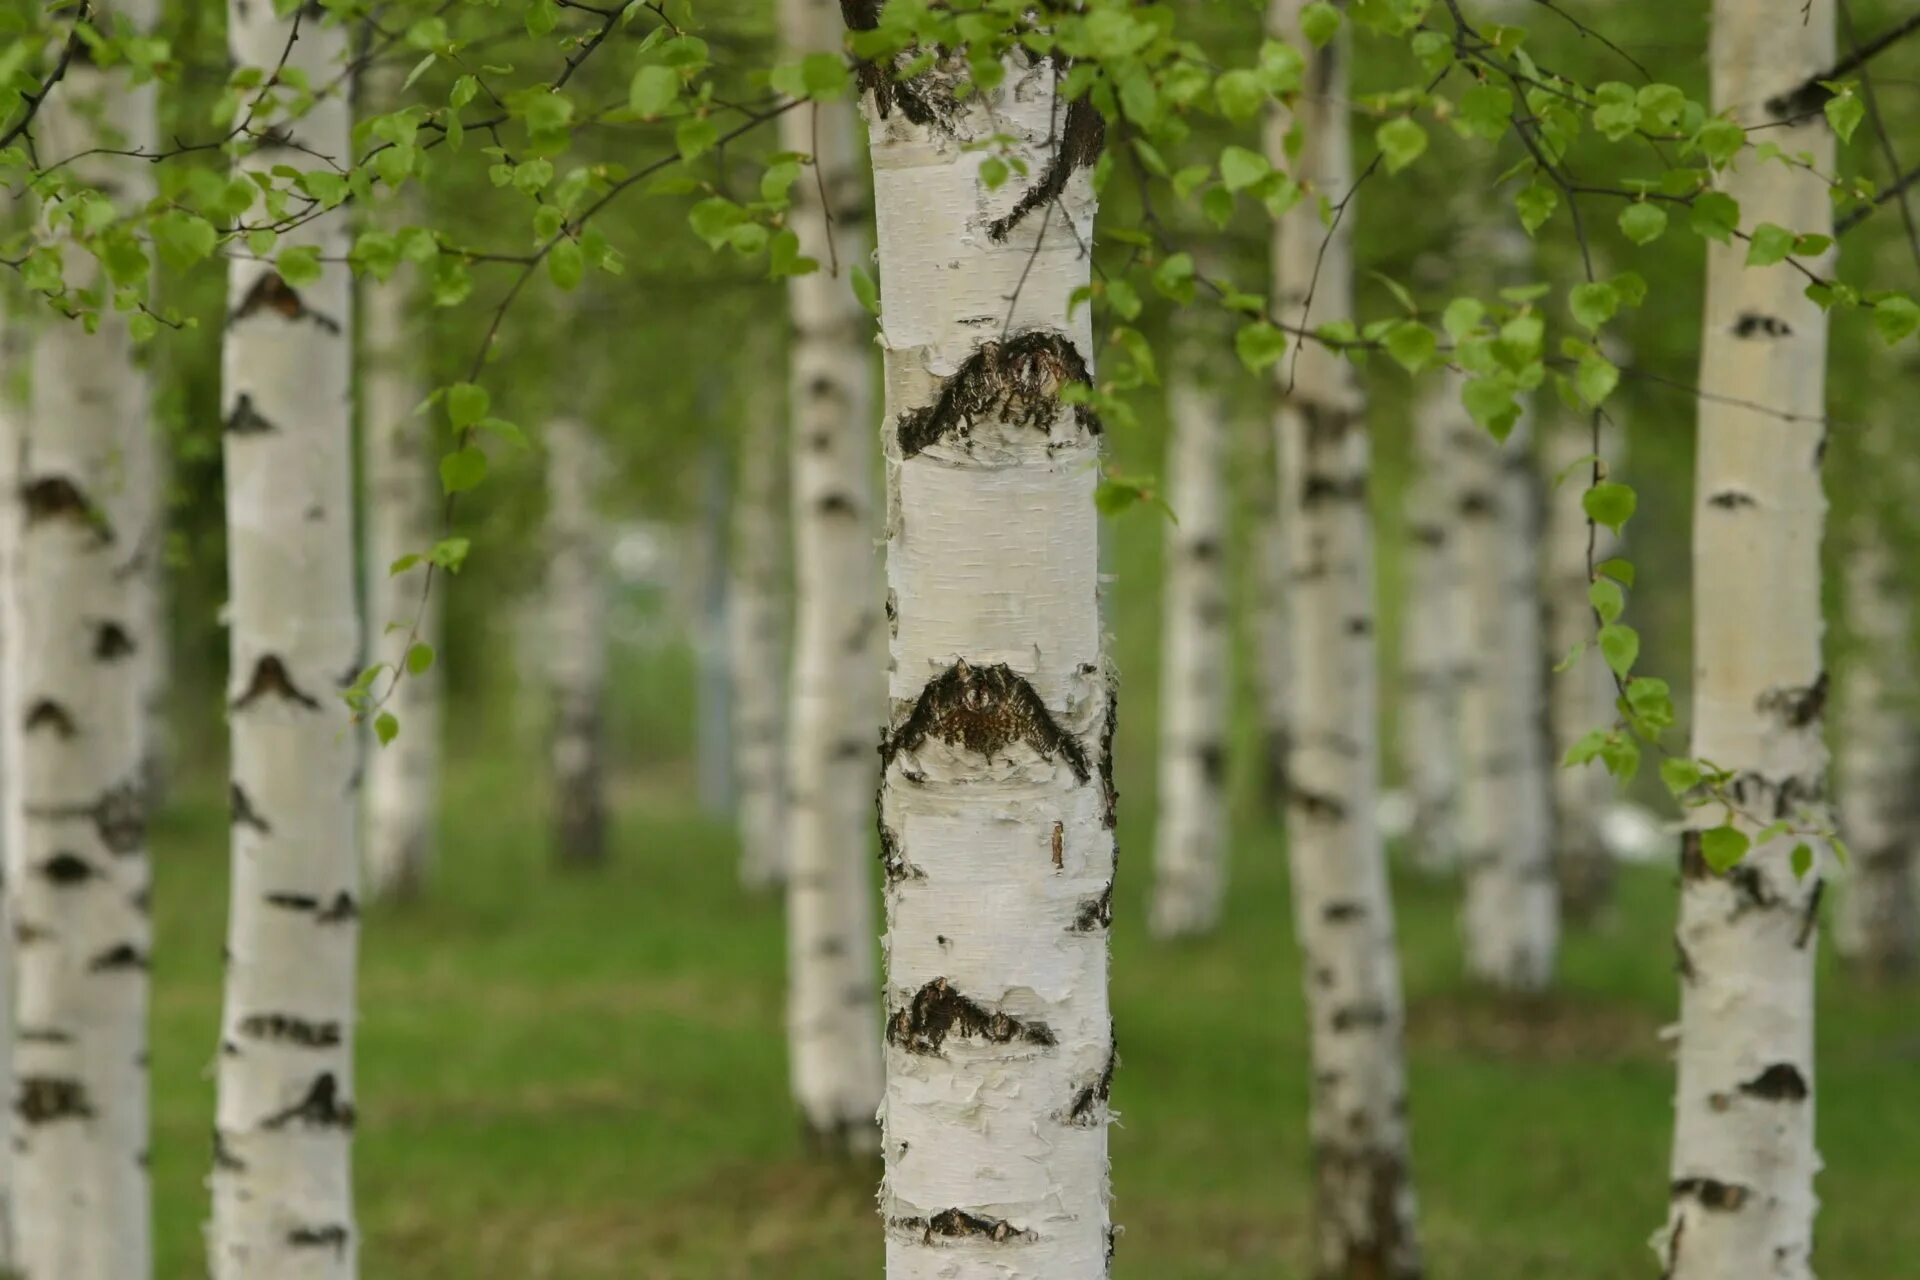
column 402, row 501
column 576, row 638
column 13, row 359
column 757, row 643
column 1877, row 926
column 1271, row 633
column 1511, row 918
column 1190, row 843
column 75, row 627
column 1743, row 1154
column 1343, row 912
column 996, row 803
column 282, row 1178
column 1581, row 698
column 1431, row 640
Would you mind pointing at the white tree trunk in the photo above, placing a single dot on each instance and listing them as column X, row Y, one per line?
column 76, row 627
column 1743, row 1154
column 1877, row 926
column 996, row 803
column 1190, row 842
column 1511, row 919
column 1432, row 645
column 13, row 360
column 1581, row 698
column 402, row 504
column 1268, row 591
column 282, row 1180
column 576, row 640
column 1343, row 912
column 757, row 643
column 833, row 1010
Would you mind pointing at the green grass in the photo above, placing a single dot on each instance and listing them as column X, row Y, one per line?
column 582, row 1077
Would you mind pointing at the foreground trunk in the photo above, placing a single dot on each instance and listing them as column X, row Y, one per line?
column 1743, row 1155
column 77, row 628
column 1343, row 913
column 13, row 353
column 1190, row 843
column 996, row 805
column 833, row 1014
column 575, row 633
column 757, row 646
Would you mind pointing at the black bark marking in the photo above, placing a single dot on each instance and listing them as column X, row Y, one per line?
column 1213, row 763
column 1096, row 912
column 120, row 816
column 241, row 812
column 332, row 1236
column 1343, row 912
column 1752, row 323
column 45, row 1099
column 1710, row 1193
column 1089, row 1102
column 224, row 1161
column 1355, row 1017
column 1799, row 706
column 1017, row 381
column 984, row 710
column 1781, row 1082
column 836, row 504
column 1732, row 500
column 342, row 908
column 1427, row 535
column 1082, row 137
column 958, row 1224
column 245, row 420
column 124, row 956
column 41, row 1035
column 66, row 869
column 1810, row 920
column 1316, row 804
column 287, row 1028
column 1111, row 789
column 271, row 293
column 1683, row 963
column 938, row 1011
column 1059, row 843
column 1477, row 502
column 48, row 714
column 58, row 498
column 1317, row 490
column 321, row 1108
column 111, row 642
column 270, row 676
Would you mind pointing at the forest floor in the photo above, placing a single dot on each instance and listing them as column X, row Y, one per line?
column 582, row 1077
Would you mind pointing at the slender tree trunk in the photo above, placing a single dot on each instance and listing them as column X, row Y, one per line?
column 75, row 627
column 833, row 1013
column 282, row 1173
column 996, row 804
column 1190, row 843
column 1743, row 1154
column 13, row 359
column 1343, row 912
column 1877, row 927
column 1431, row 641
column 402, row 518
column 576, row 638
column 1581, row 698
column 757, row 642
column 1271, row 632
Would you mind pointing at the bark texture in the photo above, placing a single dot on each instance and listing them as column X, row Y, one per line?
column 833, row 1011
column 1432, row 644
column 996, row 804
column 1190, row 842
column 1343, row 912
column 576, row 642
column 1742, row 1200
column 13, row 361
column 282, row 1166
column 1272, row 634
column 76, row 625
column 757, row 644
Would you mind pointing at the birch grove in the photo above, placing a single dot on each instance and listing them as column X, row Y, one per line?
column 282, row 1174
column 75, row 626
column 1343, row 913
column 1190, row 842
column 1432, row 641
column 575, row 636
column 1741, row 1186
column 757, row 643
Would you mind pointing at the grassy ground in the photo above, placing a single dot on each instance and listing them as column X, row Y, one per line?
column 583, row 1078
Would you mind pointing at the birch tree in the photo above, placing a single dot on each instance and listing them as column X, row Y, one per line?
column 1741, row 1184
column 13, row 360
column 282, row 1180
column 1432, row 639
column 575, row 634
column 75, row 841
column 757, row 643
column 996, row 804
column 1268, row 591
column 1343, row 912
column 1190, row 843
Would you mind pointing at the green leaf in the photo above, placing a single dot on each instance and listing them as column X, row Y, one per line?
column 1643, row 222
column 386, row 727
column 1241, row 168
column 1319, row 23
column 865, row 289
column 1609, row 504
column 1595, row 378
column 1401, row 141
column 654, row 89
column 419, row 658
column 1723, row 847
column 1240, row 95
column 566, row 264
column 1720, row 140
column 1485, row 111
column 299, row 264
column 1259, row 345
column 1607, row 598
column 1769, row 244
column 714, row 219
column 467, row 403
column 1620, row 645
column 1895, row 316
column 1621, row 571
column 462, row 469
column 1715, row 216
column 1680, row 774
column 1801, row 859
column 1845, row 113
column 1490, row 403
column 1412, row 345
column 1535, row 205
column 1594, row 304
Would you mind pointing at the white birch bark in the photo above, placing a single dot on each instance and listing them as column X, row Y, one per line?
column 757, row 643
column 1581, row 698
column 1343, row 912
column 75, row 629
column 1742, row 1200
column 832, row 998
column 1431, row 641
column 402, row 504
column 282, row 1181
column 13, row 360
column 576, row 641
column 1190, row 841
column 996, row 802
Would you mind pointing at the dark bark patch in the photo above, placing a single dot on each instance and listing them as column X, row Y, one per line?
column 1781, row 1082
column 1213, row 763
column 120, row 816
column 245, row 420
column 1110, row 725
column 1357, row 1017
column 1811, row 919
column 1089, row 1103
column 241, row 812
column 1317, row 804
column 270, row 676
column 836, row 504
column 1752, row 324
column 48, row 714
column 1095, row 913
column 321, row 1108
column 58, row 498
column 1083, row 135
column 1732, row 500
column 67, row 869
column 984, row 710
column 1798, row 706
column 1017, row 381
column 224, row 1161
column 45, row 1099
column 287, row 1028
column 1710, row 1193
column 958, row 1224
column 1477, row 503
column 1343, row 912
column 1424, row 534
column 41, row 1035
column 1319, row 490
column 332, row 1236
column 125, row 956
column 938, row 1011
column 342, row 908
column 111, row 642
column 272, row 294
column 1059, row 843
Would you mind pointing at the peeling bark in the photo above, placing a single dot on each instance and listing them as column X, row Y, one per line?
column 1364, row 1221
column 996, row 798
column 576, row 642
column 757, row 642
column 286, row 1031
column 1741, row 1179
